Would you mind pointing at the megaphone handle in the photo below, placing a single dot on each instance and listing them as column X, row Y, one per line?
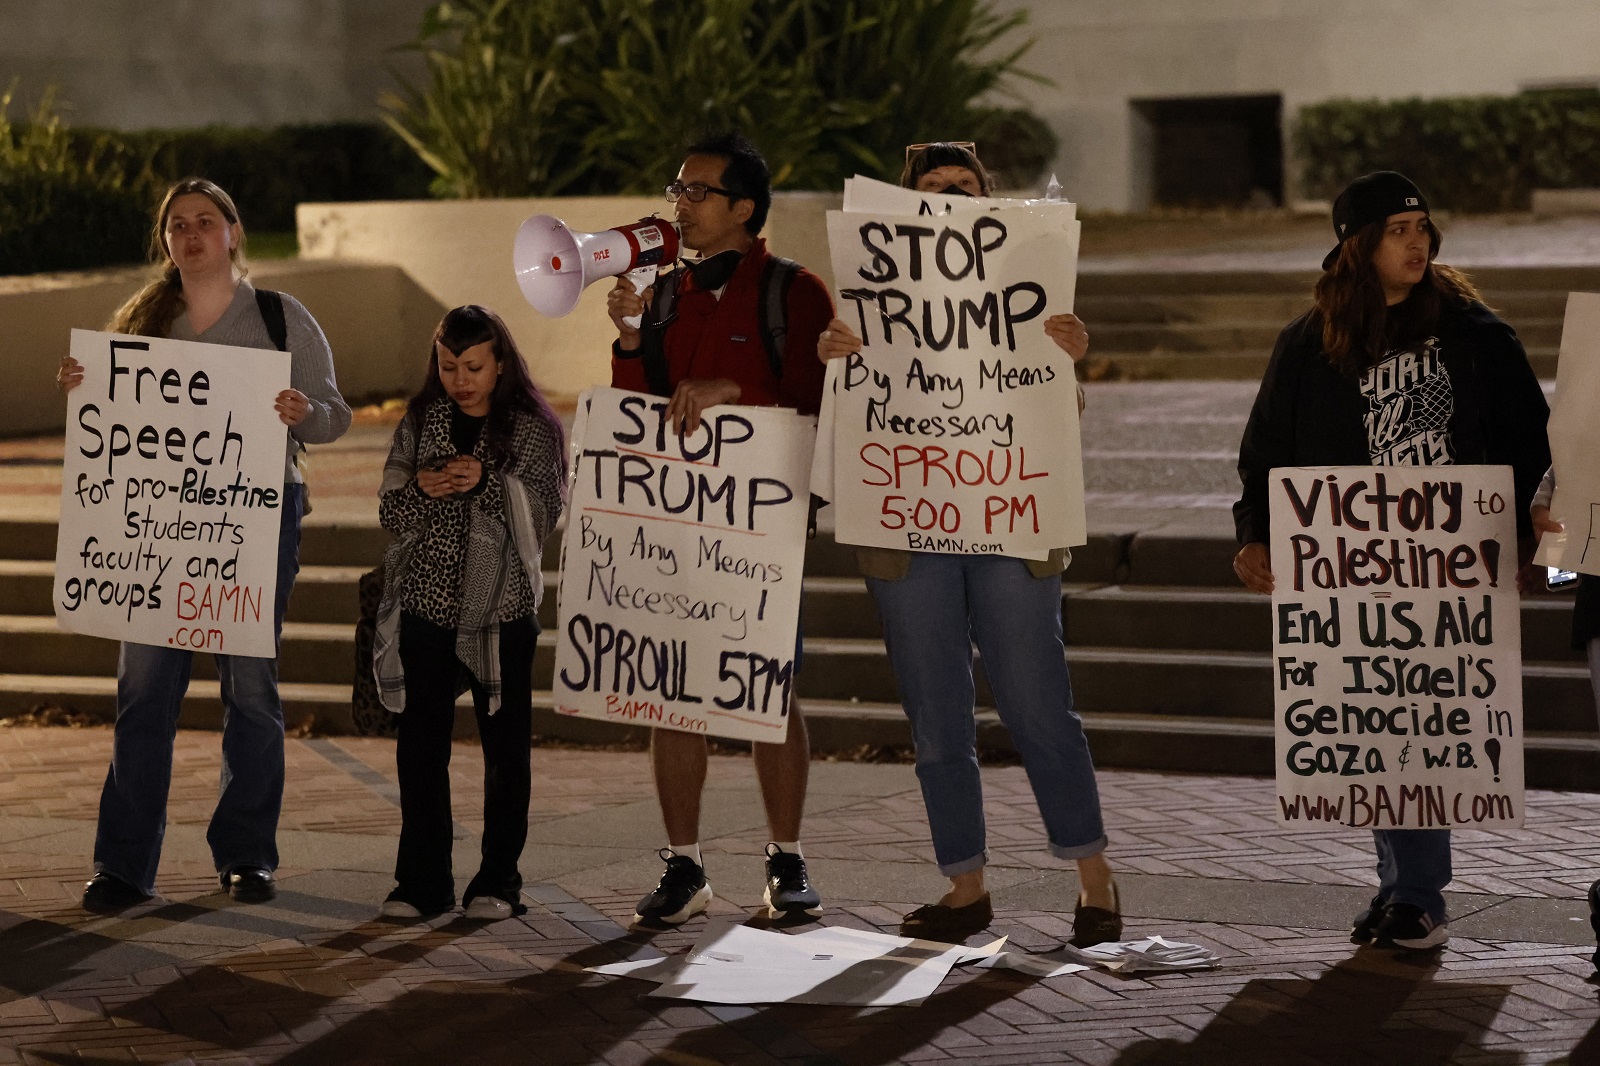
column 641, row 280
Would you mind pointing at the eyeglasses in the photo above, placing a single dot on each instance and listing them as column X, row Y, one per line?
column 695, row 191
column 913, row 150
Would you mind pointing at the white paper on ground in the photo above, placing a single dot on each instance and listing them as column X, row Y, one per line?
column 736, row 964
column 1151, row 953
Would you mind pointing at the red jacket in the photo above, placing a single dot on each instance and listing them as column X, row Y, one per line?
column 721, row 338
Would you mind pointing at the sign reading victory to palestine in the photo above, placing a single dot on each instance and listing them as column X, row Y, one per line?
column 171, row 494
column 956, row 426
column 1397, row 646
column 681, row 563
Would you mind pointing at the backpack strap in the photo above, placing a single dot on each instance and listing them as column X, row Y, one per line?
column 652, row 333
column 270, row 304
column 776, row 277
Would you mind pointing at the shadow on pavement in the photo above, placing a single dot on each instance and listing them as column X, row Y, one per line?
column 1372, row 1007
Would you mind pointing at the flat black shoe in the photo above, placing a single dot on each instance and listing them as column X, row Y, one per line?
column 105, row 894
column 948, row 925
column 1096, row 925
column 1364, row 929
column 250, row 884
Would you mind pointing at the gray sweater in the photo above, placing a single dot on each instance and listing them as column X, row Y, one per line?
column 310, row 367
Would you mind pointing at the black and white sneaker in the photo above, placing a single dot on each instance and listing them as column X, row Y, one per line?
column 1407, row 926
column 1365, row 926
column 789, row 892
column 683, row 892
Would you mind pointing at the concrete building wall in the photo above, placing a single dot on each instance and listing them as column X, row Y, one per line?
column 132, row 64
column 1105, row 54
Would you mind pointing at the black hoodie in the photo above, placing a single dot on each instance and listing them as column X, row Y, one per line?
column 1307, row 413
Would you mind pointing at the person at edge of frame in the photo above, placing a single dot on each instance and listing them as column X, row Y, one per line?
column 473, row 485
column 1585, row 638
column 198, row 242
column 713, row 349
column 1399, row 363
column 932, row 607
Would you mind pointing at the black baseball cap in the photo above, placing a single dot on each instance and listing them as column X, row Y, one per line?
column 1372, row 198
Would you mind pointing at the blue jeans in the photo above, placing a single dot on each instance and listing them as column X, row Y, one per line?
column 930, row 619
column 151, row 683
column 1414, row 867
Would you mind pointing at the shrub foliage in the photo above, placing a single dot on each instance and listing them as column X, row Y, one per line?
column 547, row 97
column 1483, row 153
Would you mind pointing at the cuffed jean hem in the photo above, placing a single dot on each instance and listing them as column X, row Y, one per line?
column 1080, row 851
column 965, row 866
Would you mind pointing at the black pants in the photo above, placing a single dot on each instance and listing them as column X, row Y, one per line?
column 422, row 872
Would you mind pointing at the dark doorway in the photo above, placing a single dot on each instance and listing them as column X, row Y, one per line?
column 1215, row 151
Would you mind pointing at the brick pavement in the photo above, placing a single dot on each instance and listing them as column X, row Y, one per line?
column 311, row 979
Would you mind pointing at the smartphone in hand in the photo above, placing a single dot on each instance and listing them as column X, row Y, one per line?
column 1556, row 579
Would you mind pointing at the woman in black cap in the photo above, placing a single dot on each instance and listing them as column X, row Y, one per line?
column 1470, row 397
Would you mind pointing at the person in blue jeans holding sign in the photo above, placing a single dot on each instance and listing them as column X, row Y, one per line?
column 933, row 607
column 1468, row 396
column 202, row 295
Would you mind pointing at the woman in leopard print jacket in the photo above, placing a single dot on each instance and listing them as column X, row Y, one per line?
column 473, row 485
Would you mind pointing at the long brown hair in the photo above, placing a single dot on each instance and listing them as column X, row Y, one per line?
column 149, row 313
column 1358, row 326
column 466, row 327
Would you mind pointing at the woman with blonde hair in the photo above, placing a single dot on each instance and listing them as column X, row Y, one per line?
column 202, row 295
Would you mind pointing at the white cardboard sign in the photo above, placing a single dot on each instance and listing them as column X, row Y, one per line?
column 1575, row 442
column 172, row 494
column 681, row 567
column 1397, row 647
column 956, row 426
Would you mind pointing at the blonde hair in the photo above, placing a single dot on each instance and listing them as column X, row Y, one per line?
column 149, row 313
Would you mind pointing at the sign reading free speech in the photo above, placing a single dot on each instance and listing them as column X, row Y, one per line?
column 171, row 494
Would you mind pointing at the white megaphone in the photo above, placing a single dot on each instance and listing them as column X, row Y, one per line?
column 555, row 264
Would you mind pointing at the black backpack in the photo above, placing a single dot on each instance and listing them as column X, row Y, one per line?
column 271, row 306
column 772, row 314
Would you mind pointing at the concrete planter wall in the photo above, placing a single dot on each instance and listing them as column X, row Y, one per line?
column 378, row 276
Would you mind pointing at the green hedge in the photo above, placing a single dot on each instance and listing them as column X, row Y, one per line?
column 1466, row 153
column 73, row 199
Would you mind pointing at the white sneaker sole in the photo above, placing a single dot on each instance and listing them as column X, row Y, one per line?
column 1438, row 936
column 397, row 908
column 488, row 909
column 697, row 903
column 774, row 913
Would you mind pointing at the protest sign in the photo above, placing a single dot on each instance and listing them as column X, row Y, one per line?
column 956, row 426
column 1397, row 646
column 1575, row 442
column 681, row 564
column 171, row 494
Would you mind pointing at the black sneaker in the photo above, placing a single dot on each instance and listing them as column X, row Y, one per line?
column 250, row 884
column 105, row 894
column 789, row 893
column 1365, row 926
column 1407, row 926
column 682, row 893
column 1594, row 920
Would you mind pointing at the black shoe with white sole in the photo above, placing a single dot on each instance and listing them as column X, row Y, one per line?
column 789, row 893
column 682, row 893
column 1408, row 926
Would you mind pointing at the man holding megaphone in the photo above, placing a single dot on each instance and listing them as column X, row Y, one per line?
column 738, row 325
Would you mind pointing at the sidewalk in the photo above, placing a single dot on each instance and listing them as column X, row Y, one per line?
column 311, row 978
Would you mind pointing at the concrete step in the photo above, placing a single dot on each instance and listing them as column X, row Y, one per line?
column 1234, row 364
column 1099, row 310
column 1236, row 335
